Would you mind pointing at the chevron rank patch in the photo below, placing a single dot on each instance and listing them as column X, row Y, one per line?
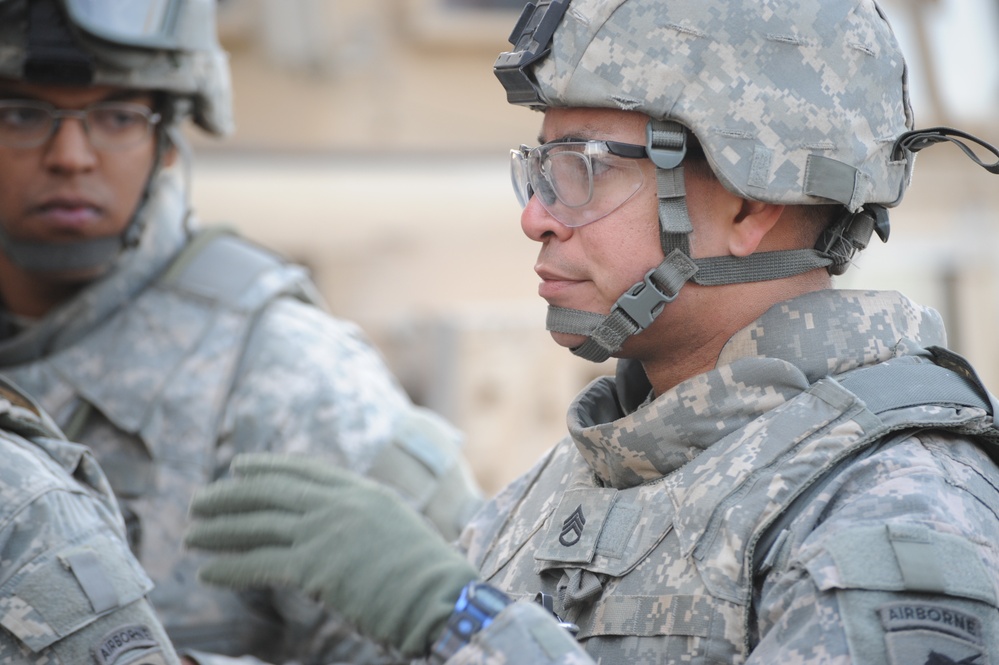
column 919, row 633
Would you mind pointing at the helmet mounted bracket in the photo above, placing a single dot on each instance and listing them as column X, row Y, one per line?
column 531, row 38
column 53, row 56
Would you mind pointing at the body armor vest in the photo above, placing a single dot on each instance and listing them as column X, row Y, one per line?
column 674, row 560
column 174, row 353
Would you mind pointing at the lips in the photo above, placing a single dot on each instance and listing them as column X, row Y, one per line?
column 554, row 284
column 68, row 213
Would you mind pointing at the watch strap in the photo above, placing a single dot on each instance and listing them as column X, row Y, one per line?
column 476, row 608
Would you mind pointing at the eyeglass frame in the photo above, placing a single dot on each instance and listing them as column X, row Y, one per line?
column 56, row 116
column 520, row 156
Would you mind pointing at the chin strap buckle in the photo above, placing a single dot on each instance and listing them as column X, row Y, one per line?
column 643, row 302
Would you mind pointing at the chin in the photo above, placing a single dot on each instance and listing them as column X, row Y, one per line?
column 566, row 340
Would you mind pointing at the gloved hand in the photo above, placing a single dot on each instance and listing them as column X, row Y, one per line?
column 285, row 520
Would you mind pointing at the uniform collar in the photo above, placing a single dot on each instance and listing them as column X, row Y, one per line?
column 830, row 332
column 772, row 360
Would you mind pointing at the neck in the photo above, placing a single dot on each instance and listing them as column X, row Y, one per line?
column 33, row 295
column 688, row 348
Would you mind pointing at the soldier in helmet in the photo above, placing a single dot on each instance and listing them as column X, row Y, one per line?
column 779, row 471
column 70, row 589
column 165, row 347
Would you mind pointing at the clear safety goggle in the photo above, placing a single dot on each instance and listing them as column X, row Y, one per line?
column 578, row 182
column 138, row 23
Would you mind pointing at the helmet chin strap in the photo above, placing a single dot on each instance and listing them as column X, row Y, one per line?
column 44, row 257
column 639, row 306
column 95, row 256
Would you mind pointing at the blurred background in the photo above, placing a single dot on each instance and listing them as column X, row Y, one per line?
column 372, row 146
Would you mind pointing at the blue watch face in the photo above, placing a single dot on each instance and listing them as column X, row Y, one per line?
column 477, row 605
column 466, row 626
column 488, row 600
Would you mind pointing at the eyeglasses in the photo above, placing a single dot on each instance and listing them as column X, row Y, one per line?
column 109, row 125
column 578, row 182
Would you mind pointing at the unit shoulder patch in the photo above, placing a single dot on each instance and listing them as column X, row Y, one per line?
column 920, row 633
column 133, row 644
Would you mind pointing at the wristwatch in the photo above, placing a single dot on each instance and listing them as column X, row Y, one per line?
column 476, row 608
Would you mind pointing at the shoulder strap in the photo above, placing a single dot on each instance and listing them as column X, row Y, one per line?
column 230, row 272
column 221, row 265
column 884, row 387
column 895, row 384
column 898, row 385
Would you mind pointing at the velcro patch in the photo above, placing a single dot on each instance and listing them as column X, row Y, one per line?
column 124, row 640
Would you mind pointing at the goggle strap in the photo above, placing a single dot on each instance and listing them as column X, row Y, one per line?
column 760, row 267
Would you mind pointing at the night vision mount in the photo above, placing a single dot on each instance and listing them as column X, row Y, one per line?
column 531, row 39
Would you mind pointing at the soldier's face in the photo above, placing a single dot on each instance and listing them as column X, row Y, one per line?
column 65, row 189
column 589, row 267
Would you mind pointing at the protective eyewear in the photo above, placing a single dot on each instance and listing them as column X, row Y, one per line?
column 109, row 125
column 578, row 182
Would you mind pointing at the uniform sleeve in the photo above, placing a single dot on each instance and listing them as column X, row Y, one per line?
column 312, row 384
column 900, row 568
column 71, row 591
column 522, row 634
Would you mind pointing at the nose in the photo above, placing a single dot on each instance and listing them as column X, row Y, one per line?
column 539, row 225
column 69, row 149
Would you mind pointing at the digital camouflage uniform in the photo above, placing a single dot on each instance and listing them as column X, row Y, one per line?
column 70, row 590
column 760, row 512
column 195, row 346
column 166, row 379
column 640, row 522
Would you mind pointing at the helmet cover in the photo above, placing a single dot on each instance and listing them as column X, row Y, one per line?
column 793, row 101
column 181, row 56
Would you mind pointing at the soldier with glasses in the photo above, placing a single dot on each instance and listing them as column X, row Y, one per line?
column 168, row 348
column 780, row 471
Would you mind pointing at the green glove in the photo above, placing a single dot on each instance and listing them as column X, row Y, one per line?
column 295, row 521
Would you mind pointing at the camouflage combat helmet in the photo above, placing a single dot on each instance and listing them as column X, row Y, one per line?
column 797, row 102
column 166, row 46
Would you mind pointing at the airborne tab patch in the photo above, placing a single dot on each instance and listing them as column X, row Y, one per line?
column 908, row 616
column 122, row 640
column 930, row 634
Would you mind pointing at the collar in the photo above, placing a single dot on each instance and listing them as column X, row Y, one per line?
column 833, row 331
column 768, row 362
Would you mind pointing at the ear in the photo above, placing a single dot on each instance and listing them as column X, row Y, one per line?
column 751, row 225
